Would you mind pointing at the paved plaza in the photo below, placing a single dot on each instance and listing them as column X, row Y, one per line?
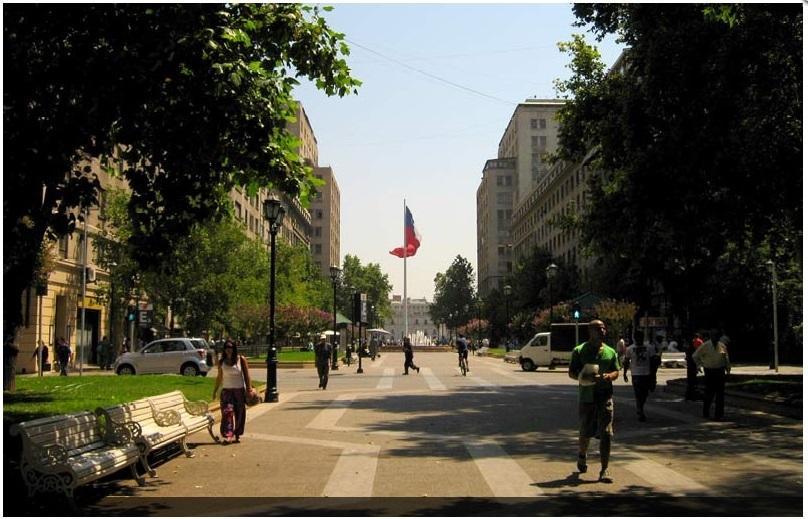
column 498, row 433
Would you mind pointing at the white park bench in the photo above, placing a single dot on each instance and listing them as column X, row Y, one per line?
column 60, row 453
column 158, row 428
column 673, row 359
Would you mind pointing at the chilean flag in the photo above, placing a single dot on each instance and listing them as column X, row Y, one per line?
column 412, row 238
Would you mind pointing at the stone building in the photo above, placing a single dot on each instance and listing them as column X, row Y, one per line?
column 420, row 327
column 494, row 213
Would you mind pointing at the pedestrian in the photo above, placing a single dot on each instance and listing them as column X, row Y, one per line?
column 374, row 348
column 595, row 365
column 64, row 355
column 655, row 350
column 408, row 356
column 42, row 364
column 638, row 358
column 234, row 379
column 713, row 356
column 621, row 346
column 322, row 359
column 104, row 353
column 692, row 369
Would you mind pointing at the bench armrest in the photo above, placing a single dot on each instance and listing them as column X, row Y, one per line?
column 196, row 408
column 42, row 456
column 117, row 433
column 167, row 417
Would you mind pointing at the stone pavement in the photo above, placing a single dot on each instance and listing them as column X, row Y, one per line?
column 499, row 441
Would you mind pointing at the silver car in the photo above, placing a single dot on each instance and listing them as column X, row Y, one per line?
column 175, row 355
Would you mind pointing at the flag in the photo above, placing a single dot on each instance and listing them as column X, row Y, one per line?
column 412, row 238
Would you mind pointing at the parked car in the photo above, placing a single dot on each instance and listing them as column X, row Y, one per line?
column 174, row 355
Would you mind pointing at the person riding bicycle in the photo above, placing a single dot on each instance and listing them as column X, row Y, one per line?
column 462, row 345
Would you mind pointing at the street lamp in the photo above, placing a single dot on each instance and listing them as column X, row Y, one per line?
column 335, row 272
column 776, row 364
column 508, row 291
column 274, row 213
column 348, row 348
column 551, row 271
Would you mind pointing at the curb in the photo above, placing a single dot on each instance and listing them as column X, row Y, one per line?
column 743, row 400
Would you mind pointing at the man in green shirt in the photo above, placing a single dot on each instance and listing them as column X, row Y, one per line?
column 595, row 365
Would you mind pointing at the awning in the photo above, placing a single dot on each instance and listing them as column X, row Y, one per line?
column 379, row 330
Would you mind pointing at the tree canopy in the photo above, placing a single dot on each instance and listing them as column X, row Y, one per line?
column 696, row 134
column 184, row 101
column 454, row 294
column 368, row 279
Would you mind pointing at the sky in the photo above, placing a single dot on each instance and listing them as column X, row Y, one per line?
column 440, row 83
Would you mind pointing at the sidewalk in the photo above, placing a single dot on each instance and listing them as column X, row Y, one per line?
column 791, row 408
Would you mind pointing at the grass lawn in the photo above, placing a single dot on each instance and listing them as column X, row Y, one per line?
column 288, row 356
column 37, row 397
column 779, row 386
column 498, row 352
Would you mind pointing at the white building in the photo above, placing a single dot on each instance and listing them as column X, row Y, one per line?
column 421, row 328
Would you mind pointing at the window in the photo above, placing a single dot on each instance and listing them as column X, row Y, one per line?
column 318, row 249
column 499, row 180
column 542, row 142
column 318, row 231
column 63, row 242
column 534, row 124
column 508, row 180
column 534, row 140
column 238, row 210
column 319, row 214
column 542, row 123
column 173, row 346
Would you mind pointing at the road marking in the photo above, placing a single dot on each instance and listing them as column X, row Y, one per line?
column 659, row 476
column 503, row 475
column 256, row 411
column 482, row 382
column 328, row 417
column 386, row 382
column 432, row 381
column 355, row 471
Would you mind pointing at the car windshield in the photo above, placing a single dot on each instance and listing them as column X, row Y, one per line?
column 200, row 344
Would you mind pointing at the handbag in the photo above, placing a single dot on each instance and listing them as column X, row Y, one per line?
column 252, row 397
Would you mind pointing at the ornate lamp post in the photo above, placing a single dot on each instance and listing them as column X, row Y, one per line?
column 507, row 290
column 348, row 348
column 551, row 271
column 335, row 273
column 274, row 213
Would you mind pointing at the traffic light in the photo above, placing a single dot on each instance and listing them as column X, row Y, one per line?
column 576, row 311
column 131, row 313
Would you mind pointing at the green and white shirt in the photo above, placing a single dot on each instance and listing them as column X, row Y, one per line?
column 606, row 359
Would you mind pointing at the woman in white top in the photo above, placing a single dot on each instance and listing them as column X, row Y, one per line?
column 234, row 379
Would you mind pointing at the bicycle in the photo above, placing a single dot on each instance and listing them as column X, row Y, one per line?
column 464, row 364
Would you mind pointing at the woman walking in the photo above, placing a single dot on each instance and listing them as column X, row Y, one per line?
column 234, row 379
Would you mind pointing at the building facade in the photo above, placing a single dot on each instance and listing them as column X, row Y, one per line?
column 421, row 328
column 494, row 214
column 325, row 215
column 531, row 132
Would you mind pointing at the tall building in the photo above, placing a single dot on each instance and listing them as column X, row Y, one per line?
column 543, row 214
column 419, row 322
column 494, row 210
column 539, row 221
column 531, row 132
column 520, row 166
column 325, row 215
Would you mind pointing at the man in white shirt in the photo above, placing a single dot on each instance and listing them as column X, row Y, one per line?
column 638, row 357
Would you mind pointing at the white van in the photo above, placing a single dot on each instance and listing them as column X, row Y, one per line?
column 550, row 348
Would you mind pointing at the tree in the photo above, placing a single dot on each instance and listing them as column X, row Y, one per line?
column 367, row 279
column 128, row 84
column 618, row 317
column 454, row 294
column 696, row 169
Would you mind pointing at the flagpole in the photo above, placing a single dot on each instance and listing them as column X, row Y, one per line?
column 406, row 317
